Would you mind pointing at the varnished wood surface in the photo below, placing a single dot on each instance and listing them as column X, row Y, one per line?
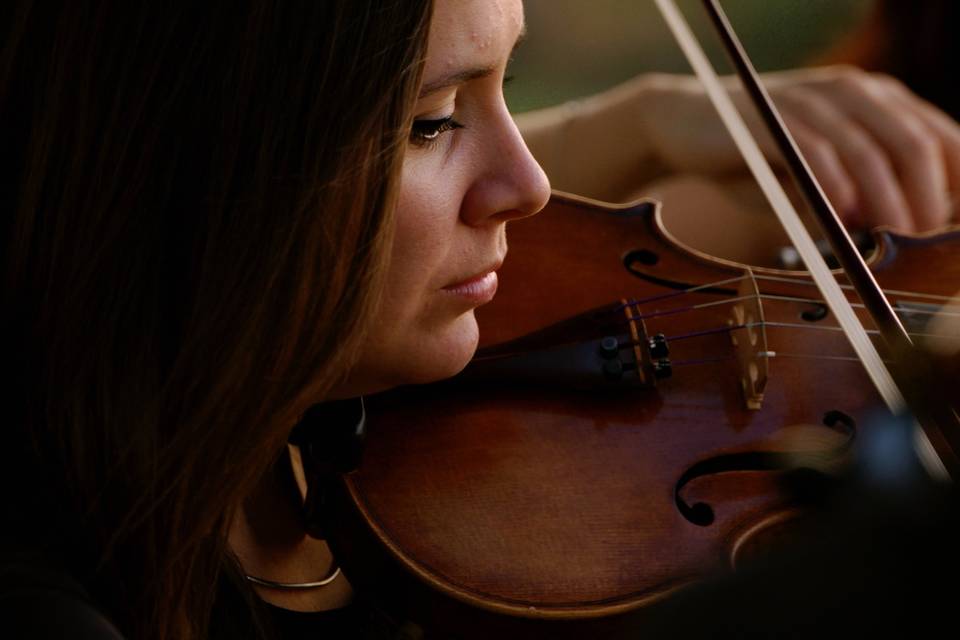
column 535, row 503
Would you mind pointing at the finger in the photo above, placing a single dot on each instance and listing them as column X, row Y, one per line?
column 881, row 198
column 820, row 154
column 940, row 123
column 913, row 148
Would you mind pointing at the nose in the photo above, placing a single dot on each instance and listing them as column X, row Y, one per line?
column 511, row 184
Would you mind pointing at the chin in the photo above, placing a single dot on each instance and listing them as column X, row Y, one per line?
column 429, row 354
column 443, row 354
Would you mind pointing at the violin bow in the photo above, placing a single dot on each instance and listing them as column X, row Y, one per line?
column 907, row 386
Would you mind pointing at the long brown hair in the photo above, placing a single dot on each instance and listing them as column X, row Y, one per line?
column 197, row 212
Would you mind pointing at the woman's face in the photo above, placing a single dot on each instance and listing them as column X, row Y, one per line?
column 466, row 173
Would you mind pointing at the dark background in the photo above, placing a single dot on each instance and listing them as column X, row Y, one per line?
column 578, row 47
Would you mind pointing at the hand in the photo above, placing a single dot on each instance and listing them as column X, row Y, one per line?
column 882, row 155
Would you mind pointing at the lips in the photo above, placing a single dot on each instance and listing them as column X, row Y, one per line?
column 478, row 288
column 476, row 275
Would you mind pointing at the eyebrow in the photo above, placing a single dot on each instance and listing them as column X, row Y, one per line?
column 466, row 75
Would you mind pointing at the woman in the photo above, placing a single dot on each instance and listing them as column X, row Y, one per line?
column 215, row 218
column 198, row 211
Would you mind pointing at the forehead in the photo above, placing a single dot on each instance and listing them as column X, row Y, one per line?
column 472, row 33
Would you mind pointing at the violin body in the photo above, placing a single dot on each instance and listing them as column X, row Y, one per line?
column 544, row 509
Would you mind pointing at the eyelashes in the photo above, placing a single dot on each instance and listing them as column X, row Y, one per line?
column 426, row 133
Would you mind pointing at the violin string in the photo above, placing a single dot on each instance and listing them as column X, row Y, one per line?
column 674, row 294
column 705, row 332
column 788, row 325
column 778, row 354
column 695, row 307
column 765, row 354
column 848, row 287
column 940, row 311
column 815, row 327
column 691, row 363
column 796, row 325
column 950, row 310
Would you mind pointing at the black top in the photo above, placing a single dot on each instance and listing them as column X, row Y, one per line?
column 39, row 601
column 359, row 621
column 240, row 615
column 339, row 623
column 43, row 599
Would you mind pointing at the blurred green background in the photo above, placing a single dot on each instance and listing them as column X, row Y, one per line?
column 578, row 47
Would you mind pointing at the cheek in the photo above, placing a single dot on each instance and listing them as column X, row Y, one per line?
column 423, row 337
column 425, row 221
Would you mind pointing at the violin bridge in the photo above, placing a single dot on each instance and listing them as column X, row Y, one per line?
column 648, row 354
column 749, row 337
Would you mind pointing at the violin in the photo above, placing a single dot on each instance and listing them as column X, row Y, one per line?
column 621, row 433
column 554, row 497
